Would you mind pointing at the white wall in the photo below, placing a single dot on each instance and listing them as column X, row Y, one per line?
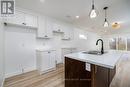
column 1, row 54
column 20, row 47
column 19, row 50
column 80, row 44
column 17, row 39
column 85, row 44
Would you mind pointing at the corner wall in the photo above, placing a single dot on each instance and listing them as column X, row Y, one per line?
column 1, row 54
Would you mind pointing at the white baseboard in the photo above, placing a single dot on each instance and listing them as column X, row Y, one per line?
column 20, row 72
column 12, row 74
column 29, row 69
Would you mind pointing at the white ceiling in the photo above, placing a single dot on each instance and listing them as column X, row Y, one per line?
column 118, row 11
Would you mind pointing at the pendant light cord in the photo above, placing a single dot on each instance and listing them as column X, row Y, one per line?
column 105, row 9
column 92, row 4
column 105, row 13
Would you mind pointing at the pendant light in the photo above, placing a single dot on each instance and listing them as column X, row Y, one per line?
column 116, row 25
column 106, row 24
column 93, row 12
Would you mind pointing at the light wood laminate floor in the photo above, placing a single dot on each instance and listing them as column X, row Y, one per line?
column 56, row 78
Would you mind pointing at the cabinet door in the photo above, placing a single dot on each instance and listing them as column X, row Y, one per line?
column 64, row 52
column 45, row 65
column 49, row 32
column 41, row 27
column 57, row 27
column 17, row 19
column 52, row 59
column 101, row 77
column 73, row 50
column 68, row 33
column 30, row 20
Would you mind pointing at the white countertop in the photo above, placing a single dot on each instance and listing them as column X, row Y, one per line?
column 44, row 50
column 108, row 60
column 68, row 47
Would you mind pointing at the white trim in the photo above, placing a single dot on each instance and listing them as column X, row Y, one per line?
column 46, row 71
column 3, row 82
column 29, row 69
column 19, row 72
column 12, row 74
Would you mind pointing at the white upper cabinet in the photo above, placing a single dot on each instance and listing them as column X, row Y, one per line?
column 57, row 28
column 44, row 27
column 49, row 26
column 18, row 18
column 41, row 27
column 30, row 20
column 68, row 33
column 22, row 19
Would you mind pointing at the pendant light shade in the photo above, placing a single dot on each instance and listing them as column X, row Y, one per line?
column 106, row 24
column 116, row 25
column 93, row 12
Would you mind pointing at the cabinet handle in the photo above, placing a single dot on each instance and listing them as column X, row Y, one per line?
column 24, row 23
column 58, row 29
column 45, row 35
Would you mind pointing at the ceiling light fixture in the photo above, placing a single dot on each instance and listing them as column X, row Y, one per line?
column 77, row 17
column 116, row 25
column 93, row 12
column 106, row 24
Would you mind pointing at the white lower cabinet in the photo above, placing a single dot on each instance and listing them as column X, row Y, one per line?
column 46, row 61
column 67, row 51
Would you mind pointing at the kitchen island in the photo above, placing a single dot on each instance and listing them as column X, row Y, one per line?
column 89, row 70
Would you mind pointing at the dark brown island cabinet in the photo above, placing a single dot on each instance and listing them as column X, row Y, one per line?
column 76, row 74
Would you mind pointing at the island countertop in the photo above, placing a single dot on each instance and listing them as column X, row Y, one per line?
column 108, row 60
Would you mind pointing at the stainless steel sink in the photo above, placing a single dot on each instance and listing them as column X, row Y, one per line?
column 94, row 52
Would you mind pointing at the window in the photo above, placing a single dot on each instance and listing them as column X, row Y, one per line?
column 81, row 36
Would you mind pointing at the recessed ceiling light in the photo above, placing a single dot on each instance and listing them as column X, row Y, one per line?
column 77, row 17
column 42, row 1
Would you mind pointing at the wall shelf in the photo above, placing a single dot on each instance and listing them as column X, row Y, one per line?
column 19, row 25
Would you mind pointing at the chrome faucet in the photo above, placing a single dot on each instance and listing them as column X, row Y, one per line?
column 102, row 49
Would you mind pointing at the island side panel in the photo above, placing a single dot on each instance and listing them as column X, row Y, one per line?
column 103, row 76
column 75, row 74
column 112, row 73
